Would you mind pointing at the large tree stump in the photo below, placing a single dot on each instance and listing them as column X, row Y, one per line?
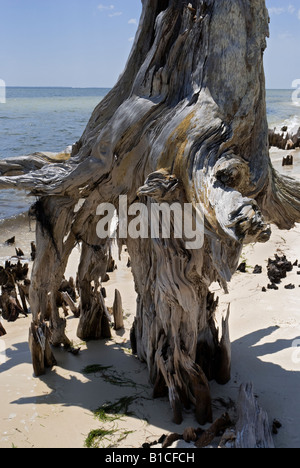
column 186, row 124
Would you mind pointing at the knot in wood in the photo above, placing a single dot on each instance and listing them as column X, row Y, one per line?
column 159, row 185
column 232, row 171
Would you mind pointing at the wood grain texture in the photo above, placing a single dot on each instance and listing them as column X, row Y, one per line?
column 253, row 429
column 186, row 123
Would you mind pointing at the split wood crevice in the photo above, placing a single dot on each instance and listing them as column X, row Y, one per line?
column 185, row 123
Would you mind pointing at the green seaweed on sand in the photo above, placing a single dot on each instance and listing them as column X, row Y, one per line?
column 107, row 413
column 96, row 436
column 111, row 411
column 110, row 375
column 94, row 368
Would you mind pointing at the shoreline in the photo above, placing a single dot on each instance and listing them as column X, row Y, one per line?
column 56, row 410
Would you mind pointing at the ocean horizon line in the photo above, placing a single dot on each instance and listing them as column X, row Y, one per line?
column 59, row 87
column 105, row 87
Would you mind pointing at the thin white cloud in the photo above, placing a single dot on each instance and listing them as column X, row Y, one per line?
column 276, row 10
column 116, row 13
column 132, row 21
column 131, row 39
column 285, row 35
column 291, row 9
column 280, row 10
column 102, row 7
column 110, row 10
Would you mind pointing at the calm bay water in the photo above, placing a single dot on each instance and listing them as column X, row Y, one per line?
column 50, row 119
column 282, row 111
column 41, row 119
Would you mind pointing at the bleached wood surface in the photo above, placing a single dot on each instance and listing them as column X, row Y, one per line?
column 186, row 123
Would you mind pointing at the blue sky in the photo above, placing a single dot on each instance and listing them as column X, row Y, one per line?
column 82, row 43
column 86, row 43
column 282, row 58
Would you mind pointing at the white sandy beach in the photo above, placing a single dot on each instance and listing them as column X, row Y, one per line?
column 56, row 410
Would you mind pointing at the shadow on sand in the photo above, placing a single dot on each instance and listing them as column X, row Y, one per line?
column 69, row 386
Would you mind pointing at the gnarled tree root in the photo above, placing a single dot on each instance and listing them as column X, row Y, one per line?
column 178, row 127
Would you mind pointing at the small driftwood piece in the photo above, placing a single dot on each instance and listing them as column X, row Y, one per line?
column 9, row 303
column 111, row 264
column 288, row 161
column 118, row 311
column 69, row 301
column 219, row 426
column 69, row 287
column 17, row 272
column 39, row 339
column 170, row 439
column 253, row 429
column 10, row 241
column 2, row 330
column 190, row 435
column 23, row 297
column 33, row 251
column 14, row 286
column 224, row 362
column 19, row 252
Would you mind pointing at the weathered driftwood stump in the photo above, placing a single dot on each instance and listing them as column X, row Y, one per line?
column 186, row 124
column 253, row 429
